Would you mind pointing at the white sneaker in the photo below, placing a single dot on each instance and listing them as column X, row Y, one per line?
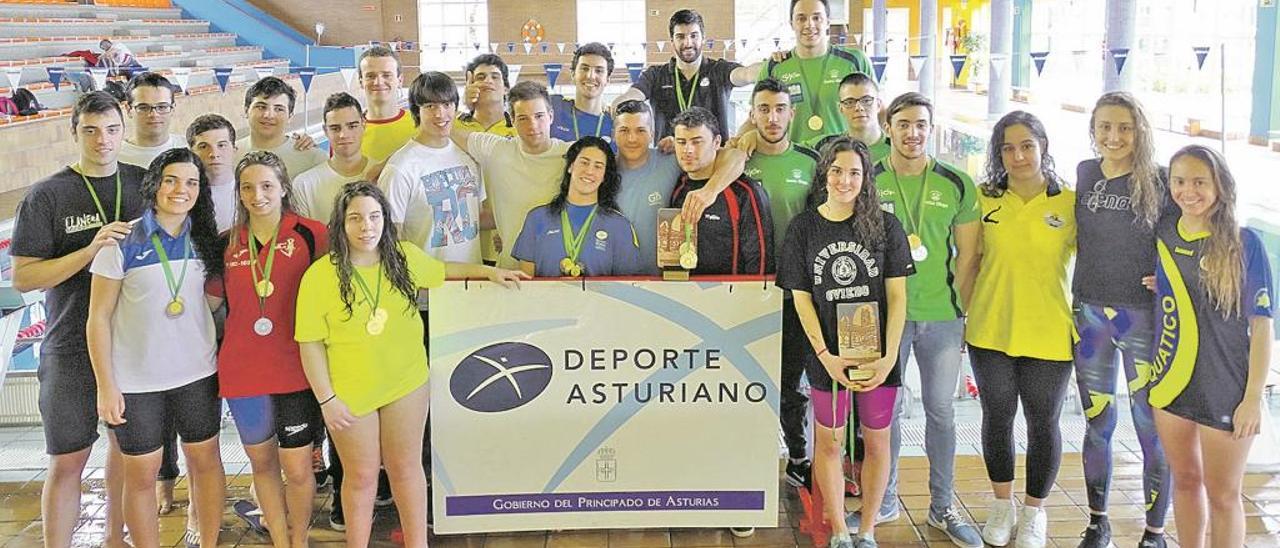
column 1001, row 518
column 1033, row 525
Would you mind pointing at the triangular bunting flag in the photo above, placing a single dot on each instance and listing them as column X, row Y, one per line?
column 55, row 76
column 553, row 72
column 644, row 47
column 857, row 39
column 742, row 43
column 348, row 74
column 306, row 73
column 1202, row 52
column 844, row 39
column 223, row 76
column 878, row 64
column 264, row 72
column 662, row 45
column 514, row 72
column 711, row 45
column 15, row 76
column 560, row 46
column 544, row 47
column 917, row 62
column 611, row 44
column 957, row 65
column 511, row 47
column 443, row 47
column 182, row 75
column 634, row 70
column 527, row 48
column 728, row 45
column 1077, row 58
column 99, row 75
column 1038, row 58
column 1119, row 55
column 997, row 65
column 493, row 47
column 776, row 41
column 475, row 46
column 409, row 45
column 136, row 70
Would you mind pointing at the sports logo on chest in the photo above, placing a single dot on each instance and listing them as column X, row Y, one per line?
column 937, row 199
column 78, row 223
column 838, row 262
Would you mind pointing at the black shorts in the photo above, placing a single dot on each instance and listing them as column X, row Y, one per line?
column 293, row 419
column 194, row 409
column 68, row 402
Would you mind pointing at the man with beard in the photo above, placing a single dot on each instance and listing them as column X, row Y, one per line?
column 688, row 79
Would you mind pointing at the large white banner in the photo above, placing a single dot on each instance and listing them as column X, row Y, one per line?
column 604, row 404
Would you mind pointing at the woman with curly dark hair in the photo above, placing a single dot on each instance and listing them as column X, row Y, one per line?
column 581, row 232
column 846, row 260
column 1019, row 328
column 151, row 340
column 360, row 337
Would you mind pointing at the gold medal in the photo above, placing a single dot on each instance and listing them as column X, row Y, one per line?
column 566, row 266
column 374, row 327
column 575, row 270
column 379, row 315
column 689, row 261
column 913, row 240
column 265, row 288
column 685, row 248
column 174, row 308
column 815, row 122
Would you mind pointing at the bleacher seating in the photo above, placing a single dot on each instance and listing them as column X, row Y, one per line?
column 36, row 36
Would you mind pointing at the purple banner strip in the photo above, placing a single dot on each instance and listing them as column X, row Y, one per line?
column 619, row 501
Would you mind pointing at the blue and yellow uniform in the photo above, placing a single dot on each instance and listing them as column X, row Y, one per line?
column 1201, row 360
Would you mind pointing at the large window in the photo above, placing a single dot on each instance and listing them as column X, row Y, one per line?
column 458, row 23
column 620, row 22
column 759, row 22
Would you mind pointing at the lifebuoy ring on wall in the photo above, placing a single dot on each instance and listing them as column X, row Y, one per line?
column 532, row 32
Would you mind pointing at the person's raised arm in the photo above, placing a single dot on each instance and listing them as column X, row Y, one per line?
column 31, row 273
column 729, row 164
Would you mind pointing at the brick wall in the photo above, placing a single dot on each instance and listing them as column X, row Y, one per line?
column 349, row 22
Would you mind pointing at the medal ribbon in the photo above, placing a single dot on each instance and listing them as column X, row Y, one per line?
column 174, row 288
column 924, row 186
column 573, row 244
column 599, row 124
column 101, row 212
column 266, row 272
column 804, row 80
column 693, row 89
column 373, row 298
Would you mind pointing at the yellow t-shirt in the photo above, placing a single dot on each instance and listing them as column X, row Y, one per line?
column 382, row 138
column 367, row 371
column 1020, row 300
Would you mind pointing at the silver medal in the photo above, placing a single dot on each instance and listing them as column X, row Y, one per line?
column 263, row 326
column 920, row 253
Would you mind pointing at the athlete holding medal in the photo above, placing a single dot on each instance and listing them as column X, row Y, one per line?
column 360, row 338
column 581, row 232
column 259, row 368
column 151, row 340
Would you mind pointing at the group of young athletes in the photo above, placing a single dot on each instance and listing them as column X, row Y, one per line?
column 182, row 272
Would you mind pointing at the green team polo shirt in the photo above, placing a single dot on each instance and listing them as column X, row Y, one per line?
column 879, row 149
column 814, row 86
column 786, row 177
column 930, row 205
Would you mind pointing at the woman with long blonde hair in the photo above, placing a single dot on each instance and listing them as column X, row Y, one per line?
column 1122, row 193
column 1213, row 292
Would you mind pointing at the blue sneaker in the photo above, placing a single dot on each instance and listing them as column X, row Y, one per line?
column 959, row 530
column 865, row 542
column 840, row 541
column 854, row 521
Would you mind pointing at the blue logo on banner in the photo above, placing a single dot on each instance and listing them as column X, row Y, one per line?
column 1119, row 55
column 306, row 74
column 634, row 70
column 1038, row 57
column 1201, row 53
column 553, row 72
column 878, row 63
column 223, row 76
column 55, row 76
column 957, row 64
column 500, row 377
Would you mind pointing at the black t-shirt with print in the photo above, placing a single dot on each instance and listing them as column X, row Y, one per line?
column 58, row 217
column 827, row 260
